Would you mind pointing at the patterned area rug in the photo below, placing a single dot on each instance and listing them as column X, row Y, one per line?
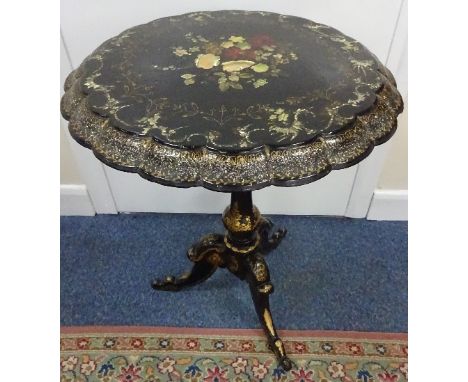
column 150, row 354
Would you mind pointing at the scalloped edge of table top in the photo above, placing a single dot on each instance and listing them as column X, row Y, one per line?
column 227, row 172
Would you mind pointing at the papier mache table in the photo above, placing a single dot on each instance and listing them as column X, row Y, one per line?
column 232, row 101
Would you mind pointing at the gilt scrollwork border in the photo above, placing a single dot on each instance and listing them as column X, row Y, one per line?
column 244, row 171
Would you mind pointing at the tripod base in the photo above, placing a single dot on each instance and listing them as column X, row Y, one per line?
column 241, row 250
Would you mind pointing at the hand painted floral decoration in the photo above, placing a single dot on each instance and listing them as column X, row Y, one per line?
column 233, row 62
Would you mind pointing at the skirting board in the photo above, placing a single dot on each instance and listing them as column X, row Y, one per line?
column 389, row 205
column 75, row 201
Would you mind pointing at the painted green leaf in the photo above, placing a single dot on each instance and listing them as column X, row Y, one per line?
column 236, row 85
column 245, row 75
column 227, row 44
column 260, row 68
column 260, row 82
column 223, row 86
column 237, row 39
column 243, row 45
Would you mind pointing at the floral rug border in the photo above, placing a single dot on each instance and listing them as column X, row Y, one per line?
column 155, row 354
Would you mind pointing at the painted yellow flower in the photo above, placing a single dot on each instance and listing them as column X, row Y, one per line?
column 236, row 66
column 283, row 117
column 179, row 51
column 207, row 61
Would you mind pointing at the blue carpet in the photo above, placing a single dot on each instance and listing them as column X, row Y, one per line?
column 329, row 273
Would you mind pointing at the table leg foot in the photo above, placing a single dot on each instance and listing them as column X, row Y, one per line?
column 199, row 273
column 258, row 278
column 206, row 255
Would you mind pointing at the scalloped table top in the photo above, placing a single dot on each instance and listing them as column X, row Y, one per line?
column 231, row 100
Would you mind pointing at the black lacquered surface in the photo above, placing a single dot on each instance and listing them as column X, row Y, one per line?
column 231, row 80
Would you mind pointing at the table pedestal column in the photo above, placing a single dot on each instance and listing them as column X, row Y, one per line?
column 241, row 250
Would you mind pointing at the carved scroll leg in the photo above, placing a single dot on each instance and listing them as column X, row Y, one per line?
column 199, row 273
column 258, row 278
column 269, row 243
column 207, row 255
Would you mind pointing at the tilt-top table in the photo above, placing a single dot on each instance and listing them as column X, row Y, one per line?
column 232, row 101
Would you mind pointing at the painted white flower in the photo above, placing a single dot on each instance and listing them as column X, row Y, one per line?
column 88, row 367
column 239, row 365
column 166, row 366
column 336, row 370
column 260, row 371
column 70, row 363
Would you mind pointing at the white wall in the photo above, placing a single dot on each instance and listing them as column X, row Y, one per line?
column 69, row 173
column 390, row 201
column 395, row 171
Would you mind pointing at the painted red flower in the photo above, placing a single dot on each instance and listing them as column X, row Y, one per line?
column 235, row 53
column 356, row 349
column 247, row 346
column 300, row 347
column 216, row 375
column 302, row 376
column 387, row 377
column 260, row 40
column 82, row 343
column 192, row 344
column 249, row 54
column 405, row 349
column 129, row 374
column 137, row 343
column 232, row 53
